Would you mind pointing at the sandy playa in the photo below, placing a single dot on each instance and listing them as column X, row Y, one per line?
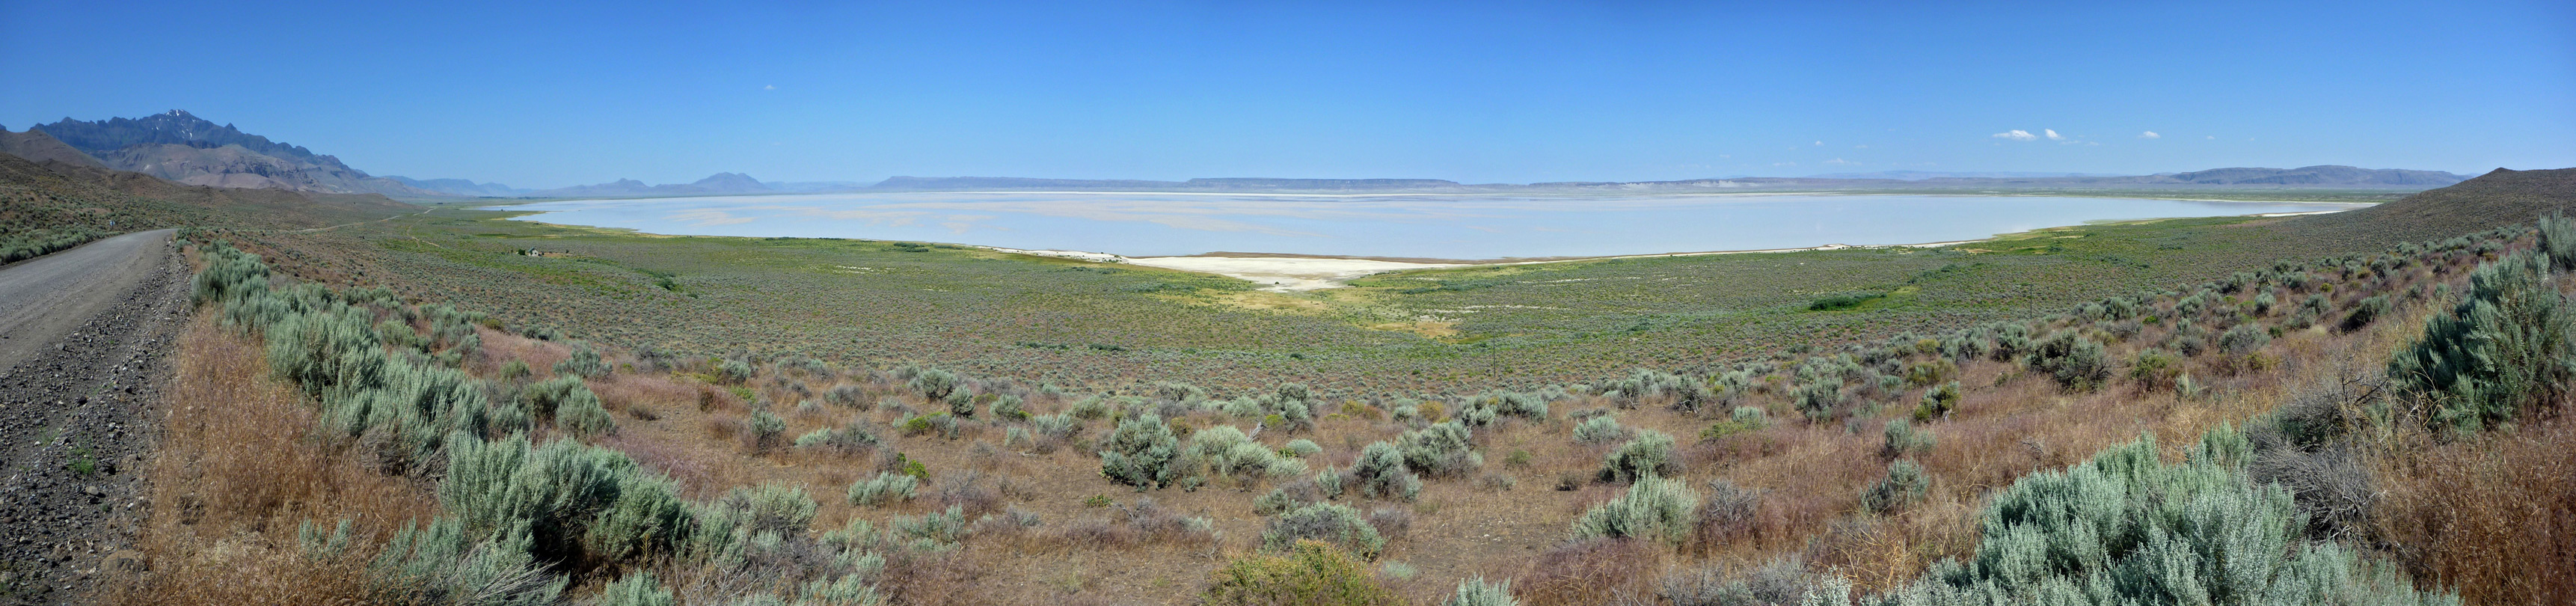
column 1285, row 274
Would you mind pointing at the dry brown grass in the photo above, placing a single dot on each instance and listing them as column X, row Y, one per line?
column 233, row 478
column 2493, row 516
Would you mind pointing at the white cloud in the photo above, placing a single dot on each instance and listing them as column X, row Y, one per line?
column 1842, row 162
column 769, row 87
column 1784, row 164
column 2052, row 135
column 2213, row 137
column 2150, row 135
column 1724, row 156
column 2016, row 135
column 1820, row 143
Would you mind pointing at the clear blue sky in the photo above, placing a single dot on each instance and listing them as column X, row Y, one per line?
column 1478, row 92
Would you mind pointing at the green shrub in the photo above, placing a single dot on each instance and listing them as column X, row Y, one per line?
column 1227, row 453
column 1654, row 508
column 1843, row 301
column 1476, row 592
column 1380, row 473
column 1309, row 574
column 1599, row 430
column 2558, row 241
column 733, row 372
column 851, row 439
column 1140, row 453
column 1903, row 438
column 887, row 487
column 584, row 417
column 1440, row 450
column 2126, row 528
column 445, row 563
column 584, row 362
column 1327, row 523
column 2364, row 313
column 1903, row 486
column 767, row 430
column 2244, row 339
column 1650, row 454
column 2504, row 348
column 937, row 528
column 555, row 491
column 1938, row 402
column 1687, row 393
column 1009, row 408
column 1819, row 398
column 2077, row 362
column 1303, row 447
column 637, row 589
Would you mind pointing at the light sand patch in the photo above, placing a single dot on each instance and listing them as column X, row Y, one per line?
column 1258, row 300
column 1286, row 274
column 1434, row 329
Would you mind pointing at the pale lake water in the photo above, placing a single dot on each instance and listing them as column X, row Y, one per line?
column 1409, row 225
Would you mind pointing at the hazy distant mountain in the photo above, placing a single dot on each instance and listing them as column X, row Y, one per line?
column 36, row 146
column 462, row 187
column 717, row 184
column 1918, row 175
column 184, row 148
column 813, row 187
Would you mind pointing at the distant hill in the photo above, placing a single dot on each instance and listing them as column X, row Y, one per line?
column 2496, row 199
column 52, row 204
column 461, row 187
column 181, row 147
column 717, row 184
column 36, row 146
column 1918, row 175
column 2311, row 175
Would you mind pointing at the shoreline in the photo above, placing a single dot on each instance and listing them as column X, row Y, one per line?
column 1299, row 272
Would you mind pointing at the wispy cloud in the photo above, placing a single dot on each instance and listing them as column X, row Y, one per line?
column 2016, row 135
column 1843, row 162
column 2052, row 135
column 2150, row 135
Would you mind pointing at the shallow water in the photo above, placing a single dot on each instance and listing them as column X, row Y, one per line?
column 1405, row 225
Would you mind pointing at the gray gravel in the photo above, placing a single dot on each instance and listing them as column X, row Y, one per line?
column 85, row 343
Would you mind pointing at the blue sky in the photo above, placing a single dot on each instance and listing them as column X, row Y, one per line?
column 545, row 96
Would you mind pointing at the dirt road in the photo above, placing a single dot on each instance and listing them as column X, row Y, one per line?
column 85, row 337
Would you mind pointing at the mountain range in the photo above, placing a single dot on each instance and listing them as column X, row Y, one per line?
column 181, row 147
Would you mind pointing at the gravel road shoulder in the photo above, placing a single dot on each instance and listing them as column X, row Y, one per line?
column 74, row 429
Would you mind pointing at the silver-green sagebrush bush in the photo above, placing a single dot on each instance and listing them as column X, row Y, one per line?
column 1440, row 450
column 1141, row 453
column 1380, row 473
column 1332, row 524
column 1654, row 508
column 2505, row 347
column 1599, row 430
column 885, row 488
column 2127, row 528
column 638, row 589
column 1649, row 454
column 1477, row 592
